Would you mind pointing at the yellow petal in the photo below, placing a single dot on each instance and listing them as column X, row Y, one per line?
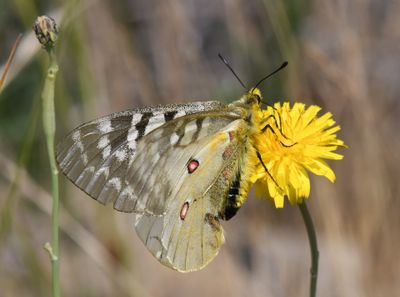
column 310, row 114
column 319, row 167
column 279, row 201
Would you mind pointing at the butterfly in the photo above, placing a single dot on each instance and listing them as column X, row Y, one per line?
column 180, row 169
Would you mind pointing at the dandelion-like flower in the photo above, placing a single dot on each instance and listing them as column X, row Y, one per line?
column 292, row 141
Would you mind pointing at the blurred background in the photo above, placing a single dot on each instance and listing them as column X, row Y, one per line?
column 343, row 55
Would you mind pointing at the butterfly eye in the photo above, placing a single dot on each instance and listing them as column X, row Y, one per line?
column 253, row 99
column 192, row 165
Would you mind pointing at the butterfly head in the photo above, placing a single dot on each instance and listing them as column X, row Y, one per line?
column 252, row 98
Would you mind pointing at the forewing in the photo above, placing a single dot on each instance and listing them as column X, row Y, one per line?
column 98, row 155
column 154, row 173
column 188, row 236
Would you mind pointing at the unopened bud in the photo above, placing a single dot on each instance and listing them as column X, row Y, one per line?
column 46, row 31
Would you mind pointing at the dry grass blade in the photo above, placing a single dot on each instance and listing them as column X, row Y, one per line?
column 9, row 61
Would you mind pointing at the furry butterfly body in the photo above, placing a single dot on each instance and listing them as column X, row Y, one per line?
column 180, row 168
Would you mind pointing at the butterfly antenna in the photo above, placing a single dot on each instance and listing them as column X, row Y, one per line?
column 272, row 73
column 231, row 69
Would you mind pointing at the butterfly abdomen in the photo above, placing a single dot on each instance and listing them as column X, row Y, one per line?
column 233, row 199
column 238, row 190
column 238, row 173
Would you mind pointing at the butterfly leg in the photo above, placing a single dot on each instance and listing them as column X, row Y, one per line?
column 268, row 126
column 266, row 170
column 279, row 116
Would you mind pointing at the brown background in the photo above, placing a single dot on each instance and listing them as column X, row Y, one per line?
column 343, row 56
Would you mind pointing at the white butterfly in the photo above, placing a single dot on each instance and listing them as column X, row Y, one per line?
column 180, row 168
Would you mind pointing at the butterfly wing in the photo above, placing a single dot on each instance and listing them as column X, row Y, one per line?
column 97, row 155
column 188, row 235
column 178, row 211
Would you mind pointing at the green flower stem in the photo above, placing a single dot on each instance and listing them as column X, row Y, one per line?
column 312, row 238
column 49, row 127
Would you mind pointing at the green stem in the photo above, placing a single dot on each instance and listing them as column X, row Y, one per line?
column 49, row 127
column 312, row 238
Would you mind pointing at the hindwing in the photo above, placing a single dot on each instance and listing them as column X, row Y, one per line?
column 189, row 234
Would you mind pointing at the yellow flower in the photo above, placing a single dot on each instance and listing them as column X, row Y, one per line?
column 292, row 141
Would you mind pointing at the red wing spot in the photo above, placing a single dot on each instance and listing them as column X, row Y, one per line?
column 227, row 173
column 192, row 165
column 231, row 135
column 184, row 210
column 227, row 152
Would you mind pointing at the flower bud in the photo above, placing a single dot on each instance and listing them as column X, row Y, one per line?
column 46, row 31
